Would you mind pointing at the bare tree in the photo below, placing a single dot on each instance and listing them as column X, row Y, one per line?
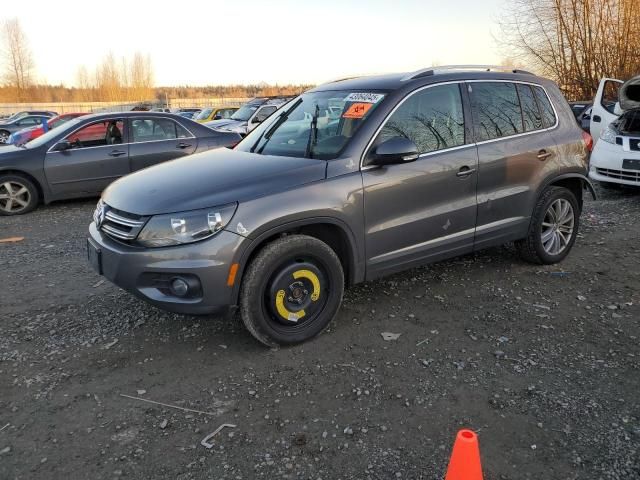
column 17, row 56
column 575, row 42
column 141, row 77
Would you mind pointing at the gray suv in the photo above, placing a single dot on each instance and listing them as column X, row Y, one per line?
column 351, row 181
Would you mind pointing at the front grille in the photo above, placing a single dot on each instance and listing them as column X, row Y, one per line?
column 634, row 144
column 118, row 224
column 620, row 174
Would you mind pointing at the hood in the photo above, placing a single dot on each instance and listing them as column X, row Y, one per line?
column 629, row 94
column 209, row 179
column 227, row 122
column 9, row 151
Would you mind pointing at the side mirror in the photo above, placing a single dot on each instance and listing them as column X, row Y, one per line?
column 395, row 150
column 218, row 117
column 63, row 145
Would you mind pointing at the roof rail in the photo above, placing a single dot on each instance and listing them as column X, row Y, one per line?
column 427, row 72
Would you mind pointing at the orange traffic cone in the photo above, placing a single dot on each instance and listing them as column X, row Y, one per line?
column 465, row 458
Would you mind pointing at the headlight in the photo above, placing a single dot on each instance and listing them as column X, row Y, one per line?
column 608, row 135
column 185, row 227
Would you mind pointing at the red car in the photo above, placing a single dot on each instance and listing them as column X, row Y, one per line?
column 26, row 135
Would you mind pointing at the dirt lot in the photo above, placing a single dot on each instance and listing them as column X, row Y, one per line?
column 542, row 361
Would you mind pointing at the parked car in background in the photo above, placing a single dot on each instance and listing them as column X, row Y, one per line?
column 351, row 181
column 616, row 156
column 24, row 113
column 188, row 115
column 578, row 107
column 582, row 112
column 209, row 114
column 13, row 125
column 27, row 134
column 81, row 157
column 584, row 119
column 250, row 115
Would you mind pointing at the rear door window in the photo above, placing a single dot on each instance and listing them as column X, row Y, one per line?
column 156, row 129
column 433, row 119
column 496, row 110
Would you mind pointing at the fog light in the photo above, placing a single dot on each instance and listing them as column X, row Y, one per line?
column 179, row 287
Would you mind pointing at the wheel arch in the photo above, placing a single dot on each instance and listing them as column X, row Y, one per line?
column 576, row 182
column 330, row 230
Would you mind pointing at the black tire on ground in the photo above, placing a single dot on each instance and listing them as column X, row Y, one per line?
column 14, row 206
column 531, row 247
column 276, row 275
column 611, row 185
column 4, row 136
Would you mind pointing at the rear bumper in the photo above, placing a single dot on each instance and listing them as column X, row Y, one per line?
column 146, row 272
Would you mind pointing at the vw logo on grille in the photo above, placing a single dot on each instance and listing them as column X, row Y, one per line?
column 98, row 214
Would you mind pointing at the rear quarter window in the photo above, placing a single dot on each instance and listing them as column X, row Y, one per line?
column 548, row 114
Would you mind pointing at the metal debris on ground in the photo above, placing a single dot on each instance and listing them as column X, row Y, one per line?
column 387, row 336
column 205, row 441
column 167, row 405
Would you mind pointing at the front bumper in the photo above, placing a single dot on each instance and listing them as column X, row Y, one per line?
column 606, row 163
column 145, row 271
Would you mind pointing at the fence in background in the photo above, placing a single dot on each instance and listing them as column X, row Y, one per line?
column 93, row 107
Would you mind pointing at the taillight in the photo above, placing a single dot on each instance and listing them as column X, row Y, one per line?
column 588, row 140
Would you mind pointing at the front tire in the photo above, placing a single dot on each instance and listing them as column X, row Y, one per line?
column 18, row 195
column 291, row 290
column 4, row 136
column 553, row 228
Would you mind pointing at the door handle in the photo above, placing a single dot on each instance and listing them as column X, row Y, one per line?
column 596, row 118
column 543, row 155
column 117, row 153
column 183, row 145
column 465, row 172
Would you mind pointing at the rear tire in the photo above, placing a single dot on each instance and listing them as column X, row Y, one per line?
column 4, row 136
column 291, row 290
column 553, row 228
column 18, row 195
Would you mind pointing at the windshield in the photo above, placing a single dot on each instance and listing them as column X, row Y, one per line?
column 315, row 125
column 204, row 114
column 47, row 137
column 17, row 115
column 245, row 112
column 56, row 122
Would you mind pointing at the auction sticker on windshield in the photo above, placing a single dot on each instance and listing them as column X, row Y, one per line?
column 357, row 110
column 365, row 97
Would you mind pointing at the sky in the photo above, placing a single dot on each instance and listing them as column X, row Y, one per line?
column 216, row 42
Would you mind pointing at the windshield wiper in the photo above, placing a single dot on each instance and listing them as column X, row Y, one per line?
column 313, row 133
column 268, row 133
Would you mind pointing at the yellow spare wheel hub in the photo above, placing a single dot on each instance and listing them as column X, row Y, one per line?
column 296, row 293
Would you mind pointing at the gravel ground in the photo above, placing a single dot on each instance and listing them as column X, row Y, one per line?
column 541, row 361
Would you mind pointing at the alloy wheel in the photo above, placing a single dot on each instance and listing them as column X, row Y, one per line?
column 557, row 226
column 4, row 137
column 14, row 197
